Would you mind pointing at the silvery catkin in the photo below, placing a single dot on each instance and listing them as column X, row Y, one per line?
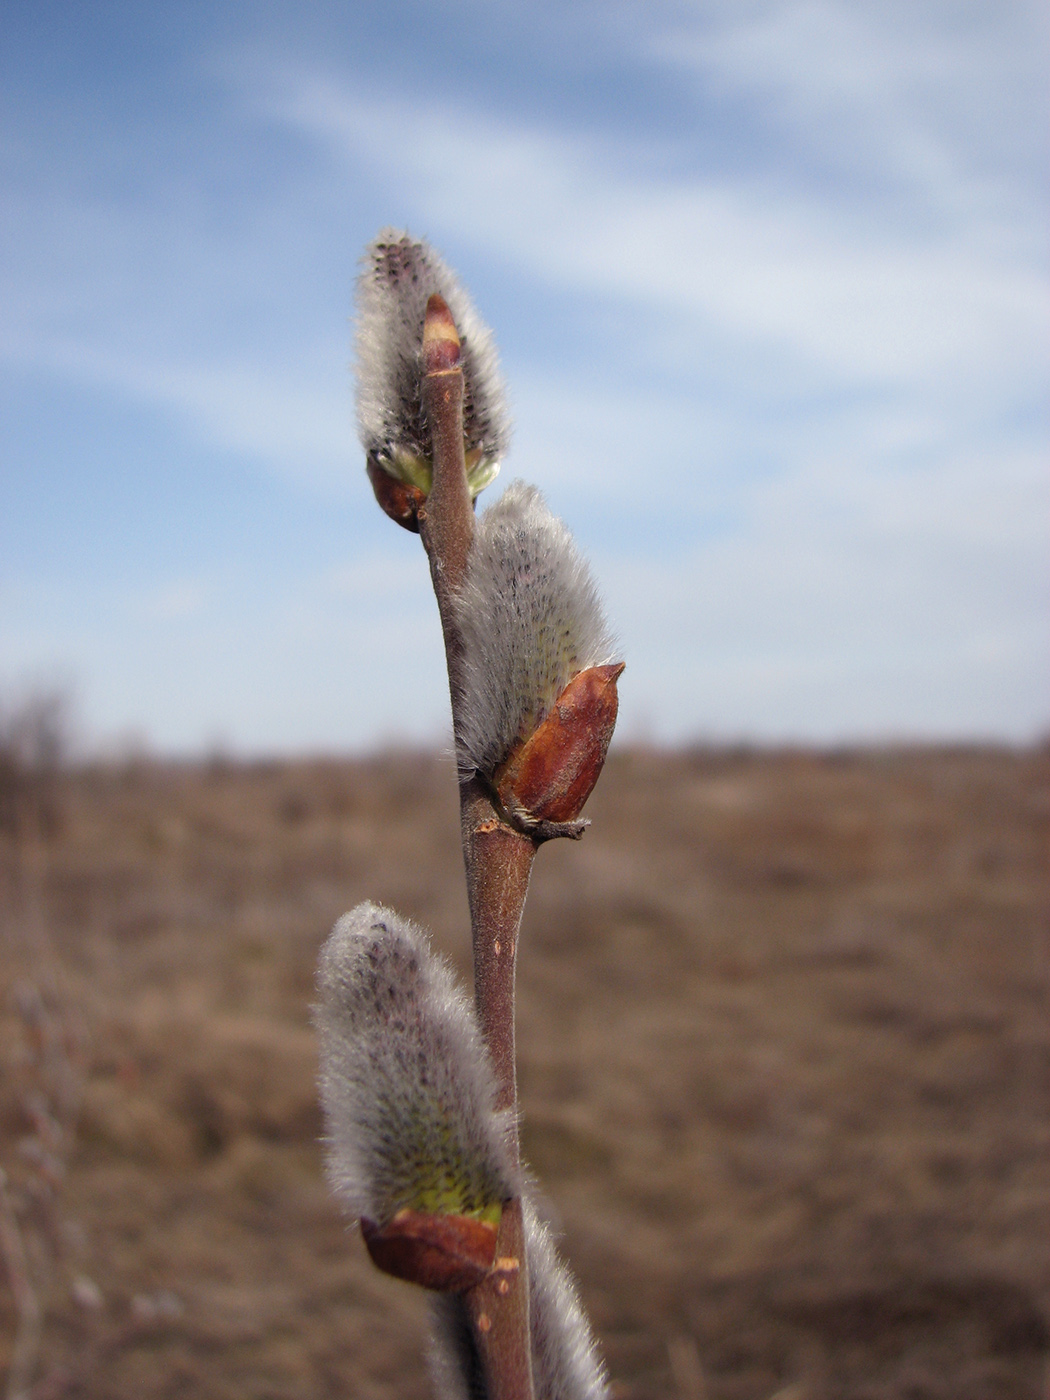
column 399, row 275
column 530, row 619
column 406, row 1084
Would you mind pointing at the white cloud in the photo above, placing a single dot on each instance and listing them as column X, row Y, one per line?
column 872, row 85
column 782, row 286
column 799, row 455
column 310, row 664
column 184, row 599
column 854, row 601
column 299, row 424
column 766, row 263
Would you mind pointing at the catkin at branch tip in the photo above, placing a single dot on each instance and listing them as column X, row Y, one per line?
column 399, row 274
column 530, row 619
column 406, row 1084
column 565, row 1360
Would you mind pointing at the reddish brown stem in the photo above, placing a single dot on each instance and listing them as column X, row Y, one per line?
column 497, row 859
column 496, row 1311
column 448, row 514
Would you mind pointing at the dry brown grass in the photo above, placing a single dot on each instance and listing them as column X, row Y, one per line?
column 783, row 1047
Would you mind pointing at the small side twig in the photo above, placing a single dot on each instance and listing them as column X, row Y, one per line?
column 26, row 1351
column 46, row 1077
column 539, row 829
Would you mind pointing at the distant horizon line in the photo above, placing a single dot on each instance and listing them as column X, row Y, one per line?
column 221, row 755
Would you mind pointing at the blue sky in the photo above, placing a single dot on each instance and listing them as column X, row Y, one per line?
column 769, row 282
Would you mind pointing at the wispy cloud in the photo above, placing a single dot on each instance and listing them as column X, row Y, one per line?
column 758, row 262
column 928, row 96
column 297, row 423
column 176, row 601
column 805, row 446
column 862, row 601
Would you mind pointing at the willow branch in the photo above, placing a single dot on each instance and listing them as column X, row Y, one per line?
column 498, row 860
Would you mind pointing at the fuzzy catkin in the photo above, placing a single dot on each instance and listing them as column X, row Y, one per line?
column 399, row 274
column 565, row 1360
column 530, row 619
column 406, row 1084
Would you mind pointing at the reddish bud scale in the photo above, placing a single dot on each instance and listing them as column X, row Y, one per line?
column 440, row 338
column 399, row 499
column 552, row 774
column 447, row 1253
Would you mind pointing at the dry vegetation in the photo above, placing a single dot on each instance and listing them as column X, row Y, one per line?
column 783, row 1047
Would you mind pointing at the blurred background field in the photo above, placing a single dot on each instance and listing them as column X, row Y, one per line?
column 769, row 286
column 783, row 1054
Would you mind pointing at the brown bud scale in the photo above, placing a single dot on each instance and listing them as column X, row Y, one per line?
column 552, row 774
column 440, row 338
column 399, row 499
column 448, row 1253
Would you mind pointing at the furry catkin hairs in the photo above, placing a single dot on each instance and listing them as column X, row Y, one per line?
column 398, row 277
column 530, row 619
column 406, row 1084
